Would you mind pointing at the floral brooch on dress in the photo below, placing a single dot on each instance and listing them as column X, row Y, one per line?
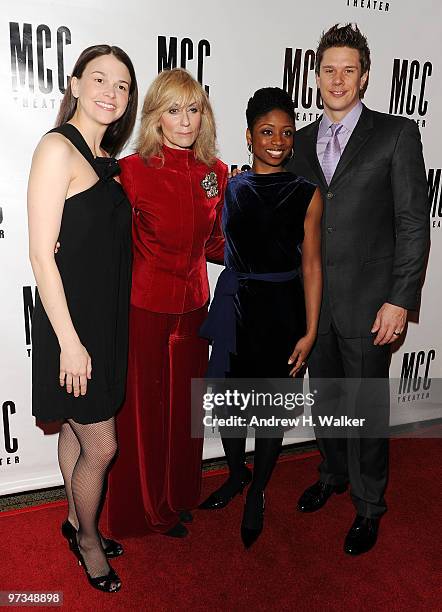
column 210, row 185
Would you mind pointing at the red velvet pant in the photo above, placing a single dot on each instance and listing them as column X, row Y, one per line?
column 158, row 470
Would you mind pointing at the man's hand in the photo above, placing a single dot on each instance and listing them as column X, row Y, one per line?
column 389, row 324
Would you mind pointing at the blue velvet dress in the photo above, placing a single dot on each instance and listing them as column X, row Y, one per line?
column 263, row 220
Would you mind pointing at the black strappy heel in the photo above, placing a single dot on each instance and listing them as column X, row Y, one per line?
column 111, row 548
column 110, row 583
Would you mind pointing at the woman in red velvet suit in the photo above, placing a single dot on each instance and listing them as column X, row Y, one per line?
column 176, row 187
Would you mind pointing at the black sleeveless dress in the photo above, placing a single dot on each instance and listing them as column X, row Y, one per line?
column 94, row 262
column 263, row 219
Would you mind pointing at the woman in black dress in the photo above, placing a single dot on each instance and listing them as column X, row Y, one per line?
column 80, row 321
column 271, row 222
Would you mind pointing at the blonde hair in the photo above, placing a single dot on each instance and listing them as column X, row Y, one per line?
column 176, row 86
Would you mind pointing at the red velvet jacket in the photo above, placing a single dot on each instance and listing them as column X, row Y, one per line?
column 176, row 228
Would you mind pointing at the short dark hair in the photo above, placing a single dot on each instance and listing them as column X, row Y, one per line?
column 348, row 35
column 267, row 99
column 117, row 134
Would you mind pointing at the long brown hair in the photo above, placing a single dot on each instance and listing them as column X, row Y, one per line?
column 118, row 132
column 176, row 86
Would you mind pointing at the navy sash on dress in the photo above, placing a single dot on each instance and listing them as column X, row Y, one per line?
column 220, row 326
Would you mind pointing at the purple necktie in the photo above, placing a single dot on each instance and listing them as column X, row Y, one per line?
column 332, row 153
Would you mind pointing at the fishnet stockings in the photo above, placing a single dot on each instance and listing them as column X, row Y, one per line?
column 85, row 452
column 68, row 453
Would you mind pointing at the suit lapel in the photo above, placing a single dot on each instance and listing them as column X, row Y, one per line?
column 310, row 152
column 357, row 139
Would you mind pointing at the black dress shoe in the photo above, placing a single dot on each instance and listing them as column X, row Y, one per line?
column 177, row 531
column 185, row 516
column 362, row 535
column 317, row 495
column 230, row 489
column 253, row 518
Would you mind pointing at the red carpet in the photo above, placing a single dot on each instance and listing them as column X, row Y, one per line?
column 296, row 565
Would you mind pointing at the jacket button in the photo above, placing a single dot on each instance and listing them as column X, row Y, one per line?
column 330, row 229
column 329, row 195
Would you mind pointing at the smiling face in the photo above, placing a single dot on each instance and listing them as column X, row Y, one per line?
column 180, row 125
column 102, row 92
column 272, row 141
column 340, row 80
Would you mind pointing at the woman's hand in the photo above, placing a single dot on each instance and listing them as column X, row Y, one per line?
column 75, row 368
column 300, row 353
column 235, row 172
column 312, row 276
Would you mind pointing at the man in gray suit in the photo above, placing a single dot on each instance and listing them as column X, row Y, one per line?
column 370, row 169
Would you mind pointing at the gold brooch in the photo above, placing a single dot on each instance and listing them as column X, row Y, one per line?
column 210, row 185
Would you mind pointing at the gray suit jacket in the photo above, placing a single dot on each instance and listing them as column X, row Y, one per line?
column 376, row 230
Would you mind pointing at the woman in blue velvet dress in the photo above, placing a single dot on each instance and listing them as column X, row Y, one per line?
column 263, row 320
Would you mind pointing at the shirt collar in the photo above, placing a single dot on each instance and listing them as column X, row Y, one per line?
column 178, row 157
column 349, row 121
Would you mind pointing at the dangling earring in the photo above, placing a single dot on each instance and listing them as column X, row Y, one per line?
column 250, row 150
column 291, row 154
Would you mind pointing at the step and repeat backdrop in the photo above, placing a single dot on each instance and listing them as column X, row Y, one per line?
column 233, row 48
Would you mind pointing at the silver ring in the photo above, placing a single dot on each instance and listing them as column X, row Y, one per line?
column 396, row 333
